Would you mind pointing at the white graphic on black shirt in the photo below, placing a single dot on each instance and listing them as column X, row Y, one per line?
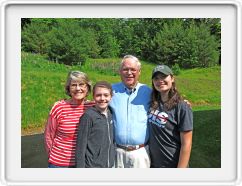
column 158, row 118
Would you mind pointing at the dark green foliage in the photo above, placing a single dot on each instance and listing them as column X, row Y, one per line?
column 35, row 38
column 106, row 38
column 191, row 46
column 189, row 43
column 208, row 47
column 25, row 21
column 70, row 44
column 166, row 45
column 176, row 69
column 130, row 34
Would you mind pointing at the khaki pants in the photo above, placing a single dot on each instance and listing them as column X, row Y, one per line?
column 132, row 159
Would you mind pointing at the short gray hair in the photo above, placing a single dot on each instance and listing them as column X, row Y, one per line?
column 77, row 76
column 130, row 57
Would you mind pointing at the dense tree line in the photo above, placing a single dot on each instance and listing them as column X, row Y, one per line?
column 186, row 43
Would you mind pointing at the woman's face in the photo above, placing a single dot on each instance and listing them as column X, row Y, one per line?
column 162, row 82
column 78, row 90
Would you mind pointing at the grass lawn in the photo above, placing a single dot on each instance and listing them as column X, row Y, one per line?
column 206, row 148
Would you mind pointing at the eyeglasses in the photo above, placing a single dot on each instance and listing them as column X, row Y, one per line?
column 132, row 70
column 75, row 85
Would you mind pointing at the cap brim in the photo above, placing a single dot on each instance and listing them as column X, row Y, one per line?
column 159, row 72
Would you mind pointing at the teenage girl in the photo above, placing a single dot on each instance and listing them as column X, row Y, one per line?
column 170, row 121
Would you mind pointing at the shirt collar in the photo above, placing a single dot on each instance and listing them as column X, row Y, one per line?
column 130, row 91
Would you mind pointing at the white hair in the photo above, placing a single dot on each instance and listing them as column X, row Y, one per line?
column 131, row 57
column 77, row 76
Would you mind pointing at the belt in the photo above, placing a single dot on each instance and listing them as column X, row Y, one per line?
column 130, row 147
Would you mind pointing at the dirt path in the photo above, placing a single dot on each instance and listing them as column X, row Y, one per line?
column 32, row 131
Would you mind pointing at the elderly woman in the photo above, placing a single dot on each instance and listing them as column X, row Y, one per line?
column 62, row 124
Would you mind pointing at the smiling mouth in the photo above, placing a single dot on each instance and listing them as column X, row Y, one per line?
column 79, row 93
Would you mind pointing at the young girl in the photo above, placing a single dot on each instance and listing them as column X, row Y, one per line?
column 171, row 122
column 95, row 147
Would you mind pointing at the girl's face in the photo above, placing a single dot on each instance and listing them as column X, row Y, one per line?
column 162, row 82
column 102, row 97
column 78, row 90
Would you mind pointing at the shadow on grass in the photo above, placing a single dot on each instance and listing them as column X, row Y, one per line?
column 206, row 148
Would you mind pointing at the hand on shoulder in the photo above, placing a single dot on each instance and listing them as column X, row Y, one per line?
column 89, row 102
column 188, row 103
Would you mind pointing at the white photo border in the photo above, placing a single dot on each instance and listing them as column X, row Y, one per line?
column 11, row 171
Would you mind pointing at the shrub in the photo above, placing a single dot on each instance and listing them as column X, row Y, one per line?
column 176, row 69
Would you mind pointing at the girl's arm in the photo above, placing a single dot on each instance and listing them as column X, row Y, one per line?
column 186, row 145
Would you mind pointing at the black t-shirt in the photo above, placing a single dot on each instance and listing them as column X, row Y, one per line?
column 165, row 128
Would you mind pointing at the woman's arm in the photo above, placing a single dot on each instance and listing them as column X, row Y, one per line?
column 186, row 145
column 49, row 134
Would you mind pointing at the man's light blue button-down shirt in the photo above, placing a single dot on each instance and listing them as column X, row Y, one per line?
column 130, row 113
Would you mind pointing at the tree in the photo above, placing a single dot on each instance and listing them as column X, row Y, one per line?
column 189, row 46
column 167, row 43
column 25, row 22
column 186, row 42
column 34, row 38
column 208, row 47
column 71, row 44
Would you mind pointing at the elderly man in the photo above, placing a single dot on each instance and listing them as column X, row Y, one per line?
column 130, row 103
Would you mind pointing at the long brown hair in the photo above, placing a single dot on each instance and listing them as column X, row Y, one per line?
column 174, row 97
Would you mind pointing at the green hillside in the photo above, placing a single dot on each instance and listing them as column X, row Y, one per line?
column 42, row 83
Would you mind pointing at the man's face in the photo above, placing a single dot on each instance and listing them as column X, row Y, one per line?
column 129, row 73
